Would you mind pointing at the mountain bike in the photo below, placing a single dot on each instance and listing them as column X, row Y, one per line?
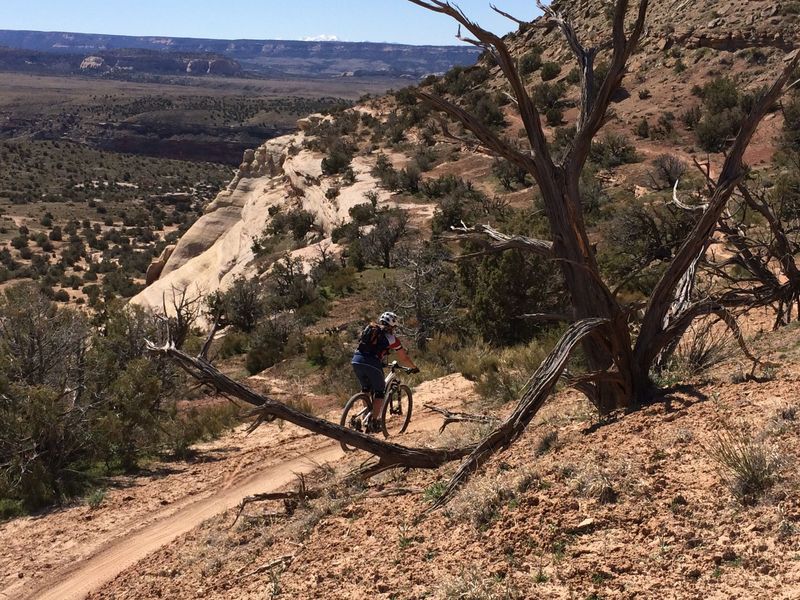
column 397, row 406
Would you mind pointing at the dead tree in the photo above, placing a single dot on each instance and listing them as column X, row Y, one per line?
column 622, row 365
column 618, row 374
column 768, row 274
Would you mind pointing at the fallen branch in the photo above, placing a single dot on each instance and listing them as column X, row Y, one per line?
column 290, row 499
column 285, row 560
column 542, row 384
column 390, row 455
column 495, row 241
column 460, row 417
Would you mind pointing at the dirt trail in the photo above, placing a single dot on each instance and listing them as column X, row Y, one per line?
column 74, row 578
column 120, row 554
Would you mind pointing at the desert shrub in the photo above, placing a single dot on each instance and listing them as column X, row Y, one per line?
column 380, row 245
column 612, row 150
column 346, row 232
column 195, row 425
column 550, row 70
column 458, row 80
column 641, row 239
column 554, row 116
column 705, row 344
column 643, row 128
column 502, row 288
column 340, row 282
column 362, row 214
column 338, row 159
column 233, row 344
column 331, row 194
column 485, row 107
column 530, row 62
column 408, row 179
column 288, row 286
column 244, row 304
column 508, row 173
column 749, row 466
column 692, row 117
column 598, row 485
column 667, row 169
column 791, row 124
column 424, row 158
column 385, row 172
column 716, row 129
column 573, row 77
column 275, row 339
column 720, row 94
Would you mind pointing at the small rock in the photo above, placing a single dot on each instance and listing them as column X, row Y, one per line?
column 728, row 555
column 693, row 573
column 584, row 526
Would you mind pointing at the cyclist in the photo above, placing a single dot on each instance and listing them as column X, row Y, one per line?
column 376, row 341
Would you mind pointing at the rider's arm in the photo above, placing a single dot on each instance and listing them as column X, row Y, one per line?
column 405, row 358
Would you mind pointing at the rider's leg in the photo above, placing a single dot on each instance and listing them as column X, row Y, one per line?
column 371, row 378
column 377, row 409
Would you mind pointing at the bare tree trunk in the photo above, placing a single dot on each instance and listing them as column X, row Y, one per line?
column 655, row 323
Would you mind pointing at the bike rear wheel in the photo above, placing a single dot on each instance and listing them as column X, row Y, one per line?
column 354, row 415
column 397, row 411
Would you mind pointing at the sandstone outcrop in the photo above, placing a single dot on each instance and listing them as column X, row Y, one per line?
column 157, row 266
column 218, row 248
column 94, row 63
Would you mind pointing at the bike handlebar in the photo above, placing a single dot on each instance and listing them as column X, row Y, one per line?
column 394, row 365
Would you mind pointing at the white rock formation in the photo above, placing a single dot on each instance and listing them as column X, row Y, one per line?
column 218, row 247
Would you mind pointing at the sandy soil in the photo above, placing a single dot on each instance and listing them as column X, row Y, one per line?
column 88, row 547
column 631, row 508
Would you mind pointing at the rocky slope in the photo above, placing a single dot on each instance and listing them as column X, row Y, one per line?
column 280, row 174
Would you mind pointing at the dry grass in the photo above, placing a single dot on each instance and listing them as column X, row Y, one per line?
column 471, row 584
column 748, row 465
column 483, row 498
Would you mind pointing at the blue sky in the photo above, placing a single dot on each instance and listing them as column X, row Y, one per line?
column 351, row 20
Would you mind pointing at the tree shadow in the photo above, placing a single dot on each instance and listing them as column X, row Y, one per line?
column 678, row 397
column 674, row 398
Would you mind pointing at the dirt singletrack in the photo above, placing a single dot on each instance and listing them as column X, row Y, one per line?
column 267, row 462
column 119, row 554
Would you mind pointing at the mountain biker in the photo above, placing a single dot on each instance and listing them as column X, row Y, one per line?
column 376, row 341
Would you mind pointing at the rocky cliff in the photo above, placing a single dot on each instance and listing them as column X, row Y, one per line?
column 218, row 247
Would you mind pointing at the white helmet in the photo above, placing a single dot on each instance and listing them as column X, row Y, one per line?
column 389, row 319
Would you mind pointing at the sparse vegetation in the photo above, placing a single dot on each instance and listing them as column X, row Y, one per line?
column 748, row 465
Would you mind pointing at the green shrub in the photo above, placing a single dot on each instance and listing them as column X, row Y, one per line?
column 716, row 129
column 275, row 339
column 692, row 117
column 612, row 150
column 530, row 62
column 720, row 94
column 748, row 465
column 550, row 70
column 233, row 344
column 195, row 424
column 643, row 128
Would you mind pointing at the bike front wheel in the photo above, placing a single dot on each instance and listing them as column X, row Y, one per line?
column 397, row 411
column 354, row 416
